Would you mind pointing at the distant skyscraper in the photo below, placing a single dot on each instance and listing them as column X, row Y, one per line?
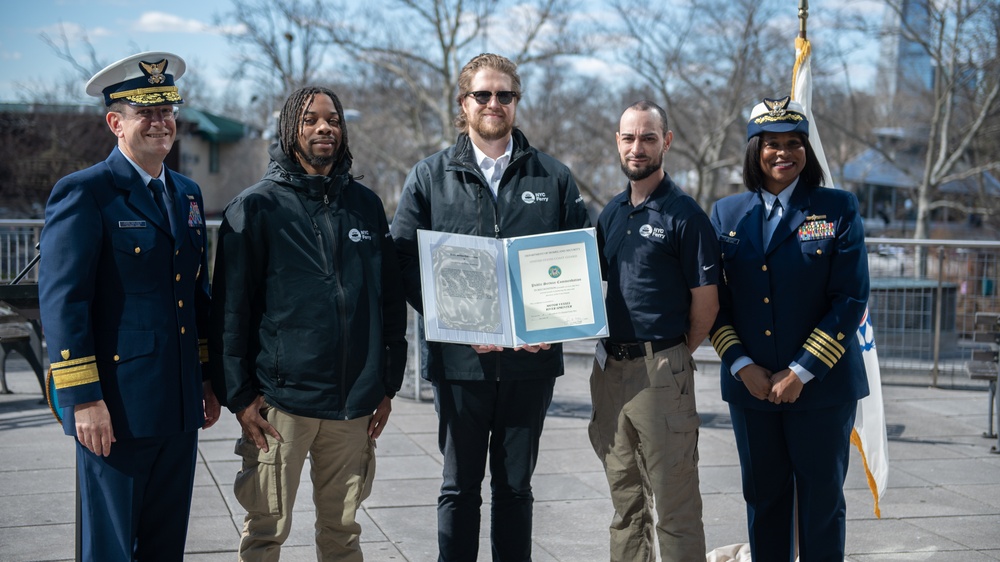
column 906, row 74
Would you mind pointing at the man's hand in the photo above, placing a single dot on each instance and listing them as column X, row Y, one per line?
column 93, row 427
column 210, row 404
column 786, row 387
column 480, row 349
column 254, row 426
column 379, row 418
column 757, row 380
column 533, row 348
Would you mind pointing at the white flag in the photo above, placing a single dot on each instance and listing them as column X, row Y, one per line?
column 869, row 434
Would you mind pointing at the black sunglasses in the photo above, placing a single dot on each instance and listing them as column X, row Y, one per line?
column 483, row 97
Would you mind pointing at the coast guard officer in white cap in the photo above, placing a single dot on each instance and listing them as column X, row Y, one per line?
column 795, row 290
column 124, row 299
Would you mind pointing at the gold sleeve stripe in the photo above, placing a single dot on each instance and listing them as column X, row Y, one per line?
column 724, row 338
column 825, row 348
column 203, row 351
column 831, row 349
column 76, row 375
column 820, row 354
column 829, row 340
column 72, row 362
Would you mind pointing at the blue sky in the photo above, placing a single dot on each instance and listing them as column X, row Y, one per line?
column 116, row 29
column 119, row 28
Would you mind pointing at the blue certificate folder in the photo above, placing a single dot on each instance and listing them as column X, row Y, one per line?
column 543, row 288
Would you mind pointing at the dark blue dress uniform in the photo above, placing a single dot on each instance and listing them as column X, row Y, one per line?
column 123, row 301
column 799, row 300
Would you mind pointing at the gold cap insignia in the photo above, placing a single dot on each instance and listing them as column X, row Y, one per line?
column 154, row 71
column 840, row 336
column 777, row 107
column 65, row 354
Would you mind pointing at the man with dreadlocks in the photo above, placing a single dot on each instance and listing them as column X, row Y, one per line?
column 307, row 331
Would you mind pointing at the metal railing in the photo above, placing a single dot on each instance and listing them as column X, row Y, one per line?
column 924, row 298
column 18, row 239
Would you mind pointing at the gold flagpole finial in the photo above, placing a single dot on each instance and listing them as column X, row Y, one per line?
column 803, row 16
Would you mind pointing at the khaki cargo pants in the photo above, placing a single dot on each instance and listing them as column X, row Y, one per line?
column 342, row 468
column 644, row 428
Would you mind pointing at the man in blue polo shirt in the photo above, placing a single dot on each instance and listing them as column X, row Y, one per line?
column 660, row 258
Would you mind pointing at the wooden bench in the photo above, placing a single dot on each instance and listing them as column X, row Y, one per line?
column 17, row 334
column 985, row 364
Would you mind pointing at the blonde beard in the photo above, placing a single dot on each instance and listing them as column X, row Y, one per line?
column 491, row 133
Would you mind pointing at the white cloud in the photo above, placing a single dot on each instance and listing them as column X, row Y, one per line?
column 160, row 22
column 11, row 55
column 602, row 69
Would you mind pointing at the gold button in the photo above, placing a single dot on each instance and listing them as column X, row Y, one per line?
column 767, row 300
column 767, row 332
column 198, row 231
column 183, row 330
column 177, row 277
column 180, row 304
column 763, row 268
column 818, row 251
column 117, row 358
column 137, row 250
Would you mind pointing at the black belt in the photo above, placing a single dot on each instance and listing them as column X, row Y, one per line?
column 623, row 351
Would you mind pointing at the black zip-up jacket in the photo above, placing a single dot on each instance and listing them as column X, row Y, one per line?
column 309, row 308
column 447, row 192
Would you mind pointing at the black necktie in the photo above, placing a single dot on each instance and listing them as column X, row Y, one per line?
column 156, row 188
column 774, row 209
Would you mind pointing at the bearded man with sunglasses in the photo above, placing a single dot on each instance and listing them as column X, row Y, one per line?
column 123, row 289
column 491, row 402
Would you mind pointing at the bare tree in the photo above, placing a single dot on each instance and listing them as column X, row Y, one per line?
column 423, row 44
column 280, row 47
column 574, row 118
column 961, row 41
column 68, row 88
column 396, row 63
column 708, row 61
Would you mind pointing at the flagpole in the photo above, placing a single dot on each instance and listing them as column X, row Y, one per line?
column 803, row 16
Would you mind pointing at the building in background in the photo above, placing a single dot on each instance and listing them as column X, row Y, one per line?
column 41, row 143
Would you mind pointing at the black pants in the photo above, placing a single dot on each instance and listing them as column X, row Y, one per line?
column 503, row 419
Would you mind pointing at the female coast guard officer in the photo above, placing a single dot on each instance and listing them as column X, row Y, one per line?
column 123, row 290
column 796, row 287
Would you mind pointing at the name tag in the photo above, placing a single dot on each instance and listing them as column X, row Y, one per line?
column 131, row 224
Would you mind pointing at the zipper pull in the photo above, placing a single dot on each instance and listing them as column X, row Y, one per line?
column 326, row 199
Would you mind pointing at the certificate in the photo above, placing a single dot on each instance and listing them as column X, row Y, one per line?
column 511, row 291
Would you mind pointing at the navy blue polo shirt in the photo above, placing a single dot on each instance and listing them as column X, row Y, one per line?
column 652, row 256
